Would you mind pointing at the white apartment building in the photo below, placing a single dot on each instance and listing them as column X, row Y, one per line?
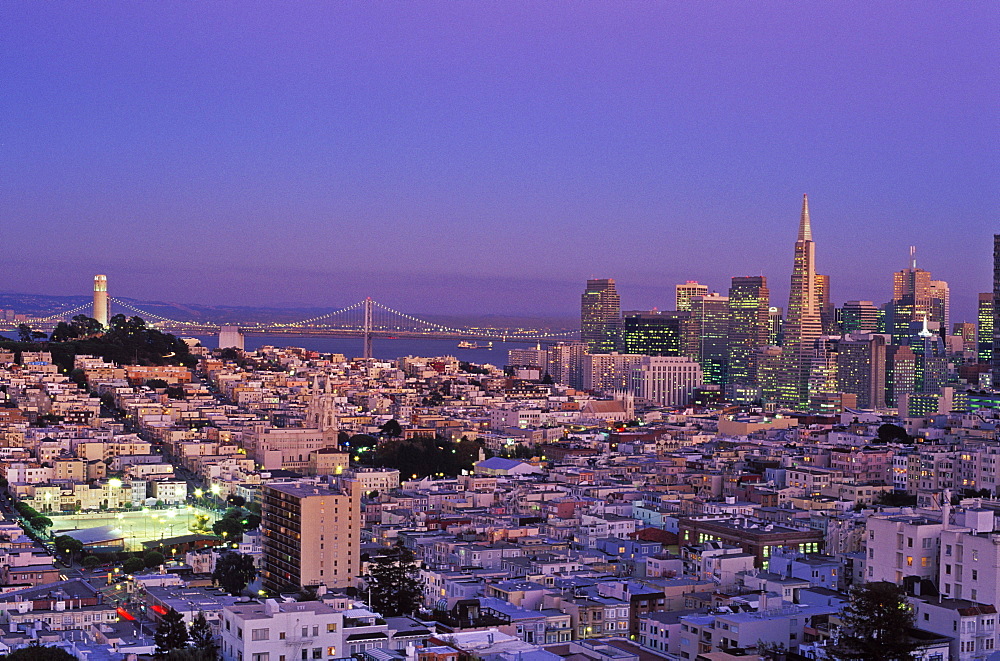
column 972, row 626
column 970, row 558
column 901, row 545
column 666, row 380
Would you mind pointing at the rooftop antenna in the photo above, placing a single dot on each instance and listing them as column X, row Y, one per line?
column 913, row 257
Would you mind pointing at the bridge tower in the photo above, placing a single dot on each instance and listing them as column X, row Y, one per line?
column 368, row 328
column 101, row 299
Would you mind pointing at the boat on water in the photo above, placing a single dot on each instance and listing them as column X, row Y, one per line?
column 465, row 344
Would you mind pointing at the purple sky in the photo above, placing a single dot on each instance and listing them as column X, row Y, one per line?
column 448, row 157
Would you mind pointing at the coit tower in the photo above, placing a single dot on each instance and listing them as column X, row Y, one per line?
column 101, row 299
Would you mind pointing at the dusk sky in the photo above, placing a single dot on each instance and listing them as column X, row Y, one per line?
column 477, row 157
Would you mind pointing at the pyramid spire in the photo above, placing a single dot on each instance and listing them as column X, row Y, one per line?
column 805, row 230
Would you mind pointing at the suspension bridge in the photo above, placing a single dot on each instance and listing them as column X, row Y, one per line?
column 367, row 319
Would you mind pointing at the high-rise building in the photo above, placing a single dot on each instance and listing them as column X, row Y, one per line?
column 900, row 375
column 600, row 316
column 861, row 368
column 803, row 324
column 564, row 363
column 985, row 330
column 827, row 311
column 710, row 325
column 940, row 304
column 101, row 299
column 775, row 321
column 859, row 317
column 967, row 331
column 528, row 358
column 666, row 380
column 911, row 298
column 683, row 294
column 608, row 372
column 310, row 531
column 749, row 304
column 653, row 333
column 996, row 311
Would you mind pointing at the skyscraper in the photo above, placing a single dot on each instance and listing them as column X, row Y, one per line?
column 940, row 304
column 653, row 333
column 827, row 312
column 101, row 299
column 775, row 322
column 859, row 317
column 310, row 534
column 861, row 368
column 803, row 324
column 710, row 325
column 985, row 330
column 996, row 311
column 600, row 316
column 683, row 294
column 749, row 305
column 911, row 299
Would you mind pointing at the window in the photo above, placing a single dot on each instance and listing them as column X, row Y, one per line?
column 909, row 561
column 317, row 652
column 975, row 574
column 331, row 627
column 260, row 634
column 281, row 635
column 261, row 656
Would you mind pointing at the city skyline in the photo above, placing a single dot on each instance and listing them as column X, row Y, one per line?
column 311, row 155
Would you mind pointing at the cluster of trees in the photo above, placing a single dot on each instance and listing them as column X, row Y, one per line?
column 176, row 642
column 126, row 341
column 422, row 456
column 234, row 572
column 393, row 583
column 37, row 652
column 35, row 519
column 235, row 522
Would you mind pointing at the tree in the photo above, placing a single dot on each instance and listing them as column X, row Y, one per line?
column 889, row 433
column 233, row 572
column 91, row 562
column 37, row 652
column 228, row 527
column 153, row 559
column 392, row 429
column 394, row 586
column 876, row 624
column 171, row 633
column 40, row 522
column 133, row 565
column 201, row 636
column 68, row 545
column 24, row 333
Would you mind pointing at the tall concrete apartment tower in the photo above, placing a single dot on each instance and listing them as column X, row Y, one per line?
column 310, row 534
column 996, row 311
column 749, row 316
column 803, row 324
column 101, row 299
column 600, row 316
column 984, row 330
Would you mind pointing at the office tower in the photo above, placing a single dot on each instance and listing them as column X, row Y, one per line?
column 683, row 294
column 861, row 368
column 900, row 375
column 967, row 331
column 775, row 321
column 600, row 316
column 859, row 317
column 310, row 532
column 985, row 330
column 653, row 333
column 827, row 312
column 101, row 299
column 710, row 325
column 608, row 372
column 911, row 298
column 769, row 367
column 749, row 303
column 996, row 311
column 666, row 380
column 940, row 304
column 564, row 363
column 931, row 363
column 528, row 358
column 803, row 325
